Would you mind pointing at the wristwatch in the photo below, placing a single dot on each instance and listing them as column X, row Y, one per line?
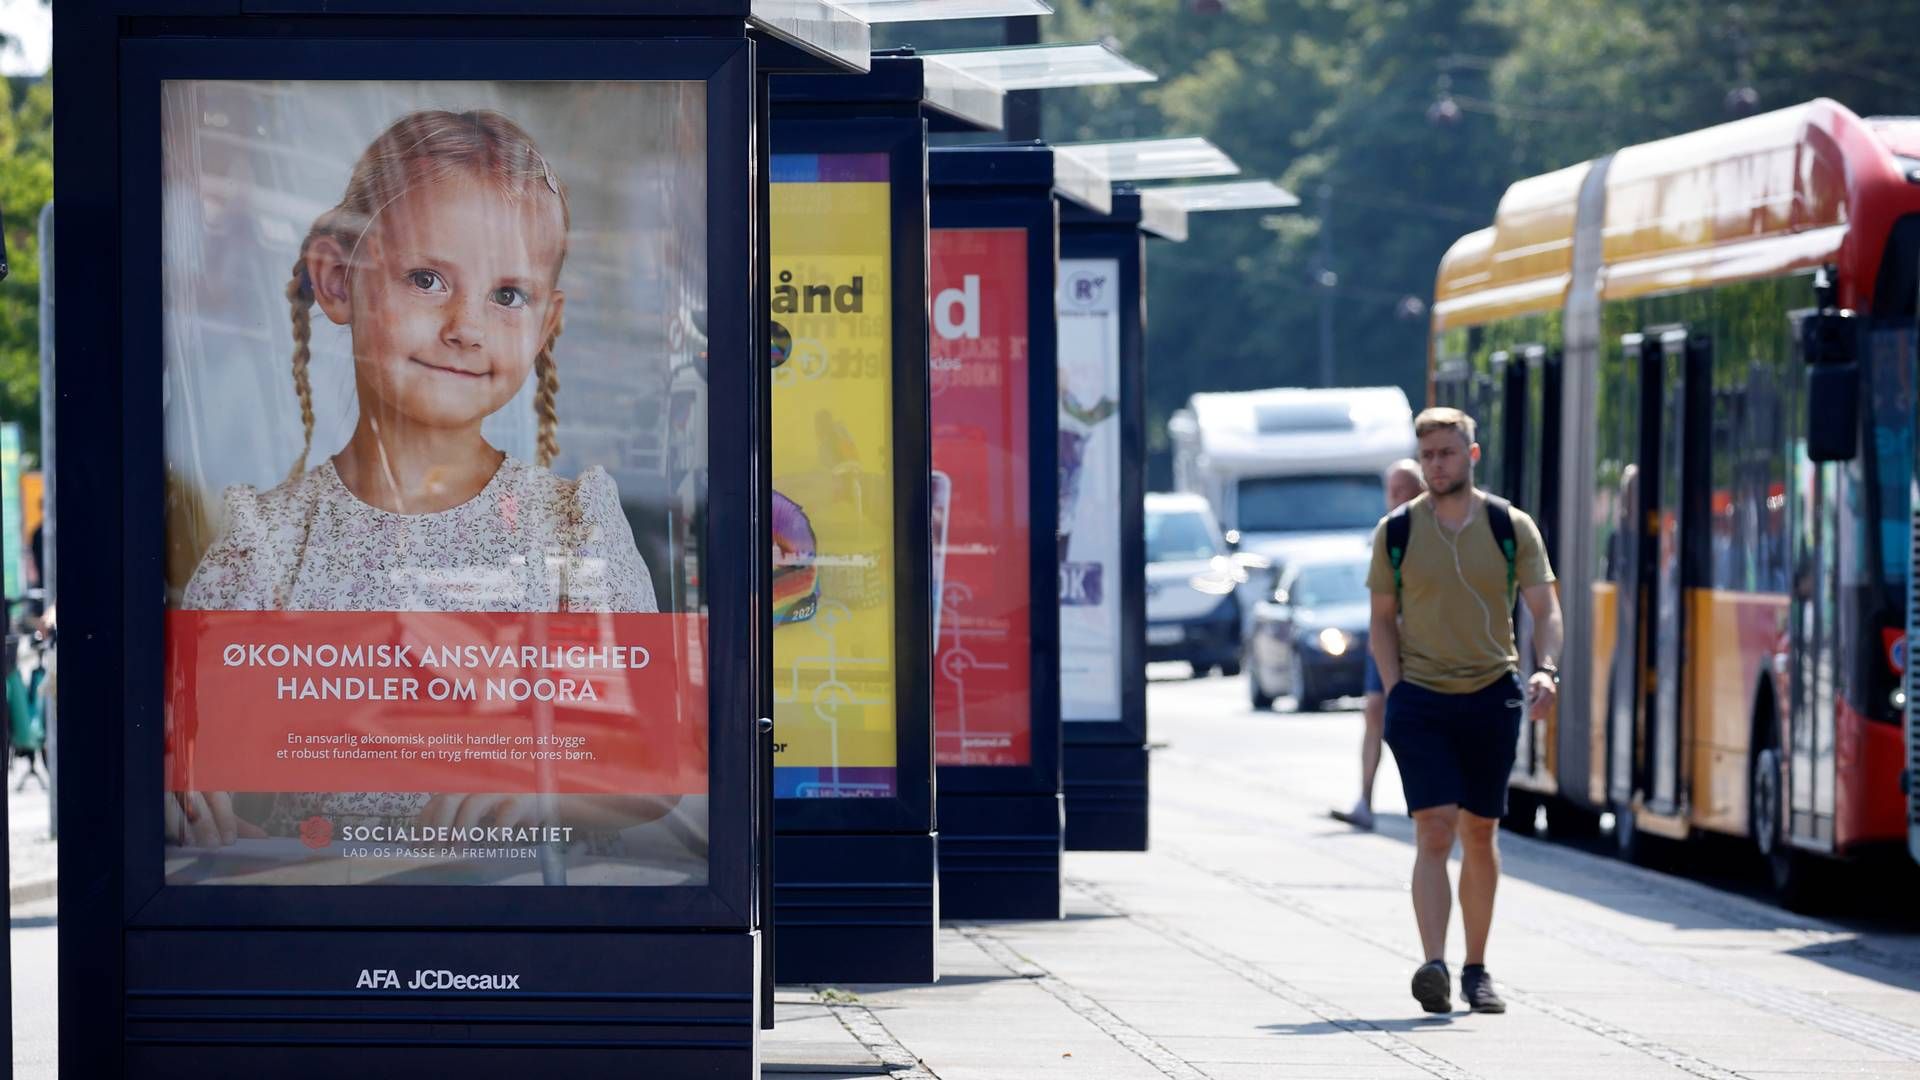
column 1552, row 671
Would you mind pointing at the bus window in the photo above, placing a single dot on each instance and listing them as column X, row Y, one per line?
column 1890, row 369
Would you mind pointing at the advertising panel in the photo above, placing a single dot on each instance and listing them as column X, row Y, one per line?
column 982, row 666
column 1089, row 467
column 833, row 594
column 435, row 470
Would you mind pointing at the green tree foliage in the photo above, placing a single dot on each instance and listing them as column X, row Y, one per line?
column 26, row 185
column 1415, row 115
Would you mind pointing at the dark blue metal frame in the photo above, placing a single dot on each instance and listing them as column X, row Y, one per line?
column 1104, row 763
column 857, row 880
column 137, row 953
column 1000, row 826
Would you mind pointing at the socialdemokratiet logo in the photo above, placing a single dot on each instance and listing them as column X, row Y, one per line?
column 316, row 832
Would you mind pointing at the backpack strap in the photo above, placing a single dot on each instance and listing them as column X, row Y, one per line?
column 1399, row 529
column 1500, row 518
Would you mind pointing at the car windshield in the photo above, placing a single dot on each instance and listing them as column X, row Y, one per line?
column 1179, row 536
column 1310, row 503
column 1330, row 584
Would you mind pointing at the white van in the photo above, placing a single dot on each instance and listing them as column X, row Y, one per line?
column 1288, row 469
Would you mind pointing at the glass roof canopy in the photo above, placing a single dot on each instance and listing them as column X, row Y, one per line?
column 1046, row 67
column 815, row 27
column 900, row 11
column 962, row 96
column 1154, row 159
column 1239, row 195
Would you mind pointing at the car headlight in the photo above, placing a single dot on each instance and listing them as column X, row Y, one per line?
column 1335, row 642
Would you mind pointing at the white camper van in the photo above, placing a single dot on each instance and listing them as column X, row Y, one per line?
column 1289, row 469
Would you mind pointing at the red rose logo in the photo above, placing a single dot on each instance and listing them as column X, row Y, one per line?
column 316, row 832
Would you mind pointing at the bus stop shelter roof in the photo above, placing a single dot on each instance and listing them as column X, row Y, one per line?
column 900, row 11
column 1238, row 195
column 1154, row 159
column 812, row 29
column 1047, row 67
column 1133, row 208
column 1027, row 165
column 951, row 99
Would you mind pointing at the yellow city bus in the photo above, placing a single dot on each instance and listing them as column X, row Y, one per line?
column 1693, row 360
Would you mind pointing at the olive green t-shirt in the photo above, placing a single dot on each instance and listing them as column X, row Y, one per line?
column 1456, row 634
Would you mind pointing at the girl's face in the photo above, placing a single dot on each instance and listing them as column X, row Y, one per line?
column 450, row 294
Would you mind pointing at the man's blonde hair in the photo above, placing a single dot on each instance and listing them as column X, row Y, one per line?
column 1443, row 418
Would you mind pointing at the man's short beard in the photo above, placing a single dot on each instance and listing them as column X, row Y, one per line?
column 1454, row 488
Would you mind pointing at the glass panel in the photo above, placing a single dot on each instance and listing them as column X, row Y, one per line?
column 1330, row 585
column 982, row 667
column 1668, row 598
column 1153, row 159
column 1047, row 67
column 960, row 95
column 833, row 579
column 1181, row 536
column 1890, row 369
column 1240, row 195
column 817, row 26
column 436, row 613
column 899, row 11
column 1083, row 182
column 1089, row 315
column 1311, row 503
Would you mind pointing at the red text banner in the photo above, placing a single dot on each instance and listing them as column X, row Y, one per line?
column 436, row 702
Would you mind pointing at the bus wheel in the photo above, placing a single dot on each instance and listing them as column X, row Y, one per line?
column 1569, row 821
column 1795, row 875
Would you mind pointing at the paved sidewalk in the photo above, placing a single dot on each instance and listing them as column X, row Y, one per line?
column 1260, row 939
column 32, row 856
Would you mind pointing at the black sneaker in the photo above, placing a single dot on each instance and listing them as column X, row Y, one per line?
column 1431, row 987
column 1476, row 986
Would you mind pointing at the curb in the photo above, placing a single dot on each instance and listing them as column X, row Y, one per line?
column 26, row 892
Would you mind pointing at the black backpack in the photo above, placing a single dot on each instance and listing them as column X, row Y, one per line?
column 1499, row 516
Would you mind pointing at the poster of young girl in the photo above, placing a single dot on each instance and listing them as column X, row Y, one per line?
column 435, row 463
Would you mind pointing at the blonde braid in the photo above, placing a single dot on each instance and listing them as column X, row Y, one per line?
column 300, row 299
column 548, row 375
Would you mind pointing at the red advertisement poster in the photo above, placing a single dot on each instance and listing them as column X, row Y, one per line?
column 982, row 676
column 435, row 468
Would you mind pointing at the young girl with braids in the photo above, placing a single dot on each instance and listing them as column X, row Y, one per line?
column 443, row 258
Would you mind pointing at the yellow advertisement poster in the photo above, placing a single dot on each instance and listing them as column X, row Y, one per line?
column 833, row 581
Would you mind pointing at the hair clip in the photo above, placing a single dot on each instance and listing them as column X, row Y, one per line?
column 546, row 170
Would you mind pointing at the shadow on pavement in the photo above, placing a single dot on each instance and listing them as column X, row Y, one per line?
column 1397, row 1024
column 1722, row 887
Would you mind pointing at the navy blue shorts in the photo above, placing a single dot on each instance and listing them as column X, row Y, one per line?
column 1456, row 748
column 1372, row 681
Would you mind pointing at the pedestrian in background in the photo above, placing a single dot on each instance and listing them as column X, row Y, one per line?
column 1403, row 485
column 1446, row 570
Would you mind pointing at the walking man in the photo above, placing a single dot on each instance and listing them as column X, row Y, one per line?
column 1403, row 484
column 1446, row 570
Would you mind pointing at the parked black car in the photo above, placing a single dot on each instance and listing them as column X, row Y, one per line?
column 1308, row 639
column 1193, row 613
